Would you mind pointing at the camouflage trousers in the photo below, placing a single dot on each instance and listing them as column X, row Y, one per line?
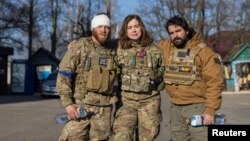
column 145, row 115
column 94, row 128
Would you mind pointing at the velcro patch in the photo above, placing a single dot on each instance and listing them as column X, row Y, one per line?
column 103, row 61
column 181, row 54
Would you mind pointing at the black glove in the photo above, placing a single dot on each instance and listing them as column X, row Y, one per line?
column 155, row 82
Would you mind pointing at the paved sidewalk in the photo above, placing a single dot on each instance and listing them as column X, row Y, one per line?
column 33, row 111
column 235, row 105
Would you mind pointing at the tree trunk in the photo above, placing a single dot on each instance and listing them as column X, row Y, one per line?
column 30, row 28
column 54, row 15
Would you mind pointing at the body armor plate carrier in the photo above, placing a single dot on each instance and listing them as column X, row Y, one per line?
column 98, row 71
column 181, row 67
column 139, row 68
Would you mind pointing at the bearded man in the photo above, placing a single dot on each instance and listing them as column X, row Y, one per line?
column 85, row 79
column 193, row 78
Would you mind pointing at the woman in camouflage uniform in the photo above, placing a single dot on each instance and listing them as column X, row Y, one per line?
column 140, row 67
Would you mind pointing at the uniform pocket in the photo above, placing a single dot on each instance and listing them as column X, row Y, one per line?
column 175, row 128
column 94, row 79
column 105, row 81
column 197, row 129
column 126, row 82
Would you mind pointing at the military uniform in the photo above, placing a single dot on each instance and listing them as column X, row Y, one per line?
column 140, row 97
column 194, row 81
column 86, row 76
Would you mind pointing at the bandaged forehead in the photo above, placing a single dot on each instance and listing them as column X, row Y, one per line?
column 100, row 20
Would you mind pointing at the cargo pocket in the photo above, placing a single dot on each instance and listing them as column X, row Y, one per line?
column 65, row 134
column 155, row 130
column 112, row 78
column 92, row 99
column 126, row 82
column 135, row 81
column 144, row 84
column 176, row 133
column 104, row 81
column 196, row 129
column 198, row 133
column 94, row 79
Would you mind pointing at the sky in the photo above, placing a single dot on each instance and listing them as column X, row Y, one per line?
column 127, row 7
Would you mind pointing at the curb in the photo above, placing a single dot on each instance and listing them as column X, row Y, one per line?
column 233, row 92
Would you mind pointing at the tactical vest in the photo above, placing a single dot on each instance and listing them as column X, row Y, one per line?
column 181, row 67
column 139, row 66
column 97, row 71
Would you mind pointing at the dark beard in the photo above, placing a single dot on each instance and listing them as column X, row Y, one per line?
column 180, row 44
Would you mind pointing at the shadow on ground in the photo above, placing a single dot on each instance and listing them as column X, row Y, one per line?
column 8, row 99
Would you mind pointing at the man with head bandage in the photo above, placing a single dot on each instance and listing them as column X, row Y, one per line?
column 98, row 20
column 100, row 27
column 90, row 61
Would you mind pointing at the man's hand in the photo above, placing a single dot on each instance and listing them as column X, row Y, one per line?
column 208, row 119
column 72, row 111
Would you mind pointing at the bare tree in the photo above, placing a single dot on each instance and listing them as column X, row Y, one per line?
column 244, row 22
column 157, row 12
column 21, row 22
column 10, row 19
column 108, row 7
column 201, row 17
column 207, row 17
column 54, row 23
column 77, row 18
column 31, row 25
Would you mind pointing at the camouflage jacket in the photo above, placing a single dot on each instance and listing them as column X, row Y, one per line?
column 75, row 71
column 140, row 66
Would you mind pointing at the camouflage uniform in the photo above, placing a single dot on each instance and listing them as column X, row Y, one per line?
column 86, row 75
column 194, row 81
column 140, row 100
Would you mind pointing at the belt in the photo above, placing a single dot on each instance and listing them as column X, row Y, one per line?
column 183, row 104
column 186, row 104
column 137, row 92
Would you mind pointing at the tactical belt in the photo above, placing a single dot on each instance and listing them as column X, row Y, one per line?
column 148, row 93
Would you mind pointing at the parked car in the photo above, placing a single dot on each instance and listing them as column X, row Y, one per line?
column 48, row 86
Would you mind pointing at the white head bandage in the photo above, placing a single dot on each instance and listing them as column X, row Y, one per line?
column 99, row 20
